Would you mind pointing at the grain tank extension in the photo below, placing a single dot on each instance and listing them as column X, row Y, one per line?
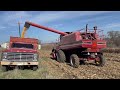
column 76, row 47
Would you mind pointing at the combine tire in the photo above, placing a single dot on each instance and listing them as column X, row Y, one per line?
column 74, row 61
column 4, row 68
column 100, row 60
column 61, row 56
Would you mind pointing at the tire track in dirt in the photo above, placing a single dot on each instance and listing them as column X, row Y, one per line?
column 60, row 69
column 67, row 70
column 112, row 56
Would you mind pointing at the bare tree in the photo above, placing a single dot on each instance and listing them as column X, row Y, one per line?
column 114, row 38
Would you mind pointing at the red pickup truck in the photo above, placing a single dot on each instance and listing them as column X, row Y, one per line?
column 21, row 53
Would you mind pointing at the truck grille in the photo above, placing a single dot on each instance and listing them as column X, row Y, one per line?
column 20, row 56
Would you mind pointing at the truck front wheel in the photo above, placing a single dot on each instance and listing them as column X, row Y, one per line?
column 34, row 68
column 100, row 60
column 22, row 67
column 4, row 68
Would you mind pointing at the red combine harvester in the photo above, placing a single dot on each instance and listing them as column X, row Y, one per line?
column 76, row 47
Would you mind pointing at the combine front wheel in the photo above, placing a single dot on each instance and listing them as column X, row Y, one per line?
column 61, row 56
column 74, row 61
column 100, row 60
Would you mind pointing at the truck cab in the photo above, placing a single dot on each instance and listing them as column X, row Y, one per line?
column 21, row 53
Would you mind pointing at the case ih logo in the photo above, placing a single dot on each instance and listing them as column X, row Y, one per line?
column 94, row 45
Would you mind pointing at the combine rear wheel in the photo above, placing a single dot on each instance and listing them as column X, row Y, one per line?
column 100, row 60
column 74, row 61
column 61, row 56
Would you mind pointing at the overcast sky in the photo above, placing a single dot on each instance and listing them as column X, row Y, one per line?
column 60, row 20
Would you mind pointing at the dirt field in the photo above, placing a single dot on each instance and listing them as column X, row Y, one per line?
column 110, row 71
column 51, row 69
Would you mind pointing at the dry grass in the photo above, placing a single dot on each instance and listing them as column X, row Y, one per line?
column 41, row 73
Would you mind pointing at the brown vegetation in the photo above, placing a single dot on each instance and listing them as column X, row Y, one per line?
column 111, row 50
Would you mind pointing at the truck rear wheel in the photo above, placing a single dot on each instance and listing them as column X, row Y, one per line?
column 100, row 60
column 61, row 56
column 74, row 61
column 4, row 68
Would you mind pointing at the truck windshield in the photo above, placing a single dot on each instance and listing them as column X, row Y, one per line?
column 20, row 45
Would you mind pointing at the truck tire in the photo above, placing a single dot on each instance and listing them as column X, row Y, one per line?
column 100, row 61
column 61, row 56
column 34, row 68
column 22, row 67
column 74, row 61
column 4, row 68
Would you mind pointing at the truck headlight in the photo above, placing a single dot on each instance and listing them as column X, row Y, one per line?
column 4, row 55
column 35, row 57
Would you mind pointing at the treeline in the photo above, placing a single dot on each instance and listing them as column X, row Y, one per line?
column 113, row 39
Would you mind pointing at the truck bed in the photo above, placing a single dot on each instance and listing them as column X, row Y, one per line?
column 24, row 40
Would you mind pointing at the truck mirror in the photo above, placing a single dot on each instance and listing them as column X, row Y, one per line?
column 39, row 47
column 4, row 45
